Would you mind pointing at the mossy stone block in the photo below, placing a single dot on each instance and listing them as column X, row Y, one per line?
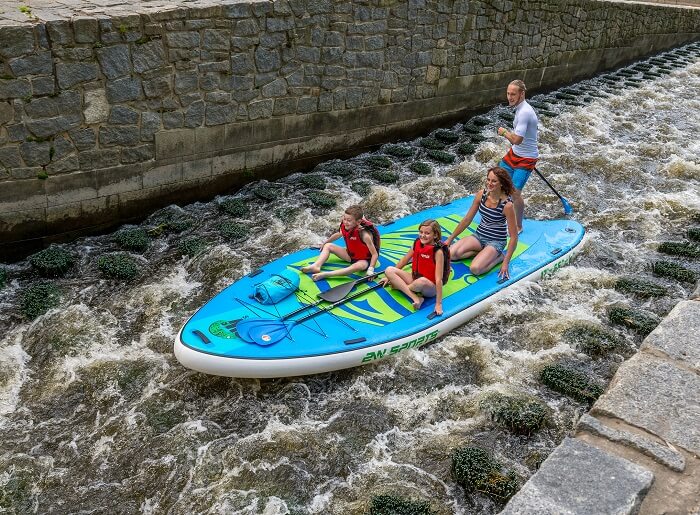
column 431, row 143
column 233, row 231
column 477, row 471
column 135, row 239
column 519, row 414
column 313, row 181
column 674, row 271
column 675, row 248
column 192, row 246
column 694, row 234
column 471, row 129
column 265, row 193
column 570, row 382
column 378, row 162
column 118, row 266
column 322, row 199
column 441, row 156
column 640, row 287
column 640, row 321
column 421, row 168
column 338, row 168
column 394, row 505
column 362, row 188
column 54, row 261
column 480, row 121
column 234, row 207
column 38, row 298
column 466, row 149
column 594, row 340
column 399, row 151
column 446, row 135
column 385, row 176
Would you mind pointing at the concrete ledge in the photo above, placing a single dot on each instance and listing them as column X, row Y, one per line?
column 680, row 326
column 579, row 479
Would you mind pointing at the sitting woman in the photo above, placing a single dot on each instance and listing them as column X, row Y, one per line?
column 429, row 270
column 487, row 244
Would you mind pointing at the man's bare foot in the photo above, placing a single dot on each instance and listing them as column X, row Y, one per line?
column 311, row 269
column 319, row 276
column 417, row 303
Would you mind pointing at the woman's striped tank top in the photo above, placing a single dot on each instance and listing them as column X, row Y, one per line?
column 493, row 224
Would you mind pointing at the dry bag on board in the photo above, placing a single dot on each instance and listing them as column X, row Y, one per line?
column 277, row 287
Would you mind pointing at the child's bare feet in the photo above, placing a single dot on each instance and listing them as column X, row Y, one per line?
column 417, row 303
column 311, row 269
column 319, row 276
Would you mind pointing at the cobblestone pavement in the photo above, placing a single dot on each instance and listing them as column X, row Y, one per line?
column 638, row 451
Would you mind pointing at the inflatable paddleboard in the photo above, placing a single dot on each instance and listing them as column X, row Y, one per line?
column 236, row 335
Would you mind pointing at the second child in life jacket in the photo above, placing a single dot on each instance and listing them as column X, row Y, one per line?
column 430, row 267
column 361, row 246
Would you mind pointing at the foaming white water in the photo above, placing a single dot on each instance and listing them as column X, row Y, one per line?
column 13, row 368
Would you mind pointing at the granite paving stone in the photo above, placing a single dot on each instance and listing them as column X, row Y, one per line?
column 675, row 332
column 657, row 396
column 579, row 479
column 661, row 453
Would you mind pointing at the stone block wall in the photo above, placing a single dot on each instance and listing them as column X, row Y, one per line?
column 106, row 116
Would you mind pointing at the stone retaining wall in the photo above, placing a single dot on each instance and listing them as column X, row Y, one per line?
column 107, row 113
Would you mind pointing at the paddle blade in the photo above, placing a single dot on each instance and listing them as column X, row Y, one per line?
column 269, row 334
column 243, row 327
column 567, row 207
column 337, row 292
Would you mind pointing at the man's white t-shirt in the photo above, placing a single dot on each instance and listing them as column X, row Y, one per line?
column 525, row 126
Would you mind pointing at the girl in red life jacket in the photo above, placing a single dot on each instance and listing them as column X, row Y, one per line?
column 361, row 246
column 427, row 270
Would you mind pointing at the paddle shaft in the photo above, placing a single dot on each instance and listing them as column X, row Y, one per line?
column 565, row 203
column 340, row 291
column 338, row 303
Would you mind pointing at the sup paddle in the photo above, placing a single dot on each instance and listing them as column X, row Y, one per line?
column 267, row 332
column 565, row 203
column 338, row 292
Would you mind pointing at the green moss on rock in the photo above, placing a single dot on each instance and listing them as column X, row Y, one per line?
column 570, row 382
column 135, row 239
column 385, row 176
column 313, row 181
column 675, row 248
column 441, row 156
column 378, row 162
column 3, row 277
column 362, row 188
column 593, row 340
column 640, row 321
column 674, row 271
column 640, row 287
column 192, row 246
column 446, row 135
column 265, row 193
column 118, row 266
column 431, row 143
column 477, row 471
column 480, row 121
column 400, row 151
column 466, row 149
column 694, row 234
column 394, row 505
column 171, row 220
column 421, row 168
column 38, row 298
column 338, row 168
column 506, row 116
column 322, row 199
column 471, row 129
column 54, row 261
column 233, row 231
column 519, row 414
column 234, row 207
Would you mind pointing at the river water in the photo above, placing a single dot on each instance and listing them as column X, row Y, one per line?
column 97, row 416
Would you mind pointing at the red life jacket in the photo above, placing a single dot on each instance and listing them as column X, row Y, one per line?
column 423, row 264
column 353, row 240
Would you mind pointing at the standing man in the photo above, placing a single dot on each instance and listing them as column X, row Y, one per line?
column 522, row 156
